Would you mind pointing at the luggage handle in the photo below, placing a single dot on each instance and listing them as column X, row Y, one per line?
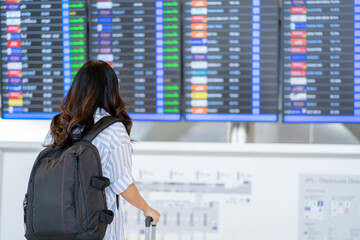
column 148, row 221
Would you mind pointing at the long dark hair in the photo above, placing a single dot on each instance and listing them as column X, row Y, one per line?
column 95, row 85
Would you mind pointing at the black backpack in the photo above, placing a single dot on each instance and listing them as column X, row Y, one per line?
column 66, row 197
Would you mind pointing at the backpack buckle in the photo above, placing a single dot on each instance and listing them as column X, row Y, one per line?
column 100, row 183
column 106, row 216
column 76, row 132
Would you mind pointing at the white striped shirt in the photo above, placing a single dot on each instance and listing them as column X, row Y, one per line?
column 115, row 151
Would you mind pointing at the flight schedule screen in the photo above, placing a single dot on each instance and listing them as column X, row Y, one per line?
column 321, row 65
column 43, row 45
column 230, row 60
column 142, row 41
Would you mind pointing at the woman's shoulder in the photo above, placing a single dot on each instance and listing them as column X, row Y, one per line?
column 117, row 130
column 113, row 135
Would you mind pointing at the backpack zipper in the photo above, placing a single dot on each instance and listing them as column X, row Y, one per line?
column 31, row 217
column 77, row 195
column 94, row 149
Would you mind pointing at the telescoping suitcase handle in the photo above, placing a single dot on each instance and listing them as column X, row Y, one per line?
column 148, row 221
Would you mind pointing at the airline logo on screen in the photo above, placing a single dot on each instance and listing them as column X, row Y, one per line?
column 298, row 65
column 14, row 65
column 199, row 34
column 104, row 28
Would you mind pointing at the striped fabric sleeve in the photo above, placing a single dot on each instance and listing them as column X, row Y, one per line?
column 119, row 168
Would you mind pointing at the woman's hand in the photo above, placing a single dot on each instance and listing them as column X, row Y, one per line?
column 149, row 212
column 132, row 195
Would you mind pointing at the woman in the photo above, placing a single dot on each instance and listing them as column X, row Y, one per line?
column 93, row 95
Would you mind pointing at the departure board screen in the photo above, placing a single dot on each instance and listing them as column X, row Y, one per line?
column 142, row 41
column 43, row 44
column 321, row 65
column 230, row 58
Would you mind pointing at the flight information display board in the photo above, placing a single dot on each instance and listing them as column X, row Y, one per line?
column 230, row 58
column 142, row 41
column 43, row 46
column 321, row 65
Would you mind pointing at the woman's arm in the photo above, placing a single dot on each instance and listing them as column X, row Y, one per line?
column 132, row 195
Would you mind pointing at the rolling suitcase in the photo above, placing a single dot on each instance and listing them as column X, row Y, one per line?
column 148, row 221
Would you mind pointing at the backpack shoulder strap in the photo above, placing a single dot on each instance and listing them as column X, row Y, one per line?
column 99, row 126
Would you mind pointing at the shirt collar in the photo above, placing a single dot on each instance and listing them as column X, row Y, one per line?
column 101, row 112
